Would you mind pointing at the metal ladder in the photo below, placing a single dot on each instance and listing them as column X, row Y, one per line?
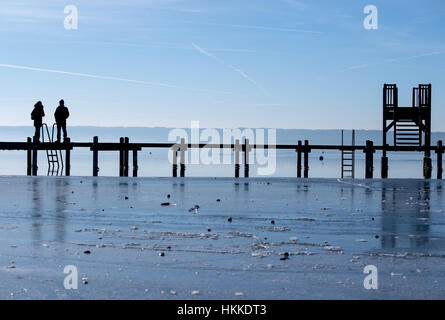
column 55, row 159
column 348, row 159
column 407, row 133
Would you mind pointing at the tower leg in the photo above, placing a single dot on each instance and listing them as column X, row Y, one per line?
column 427, row 167
column 384, row 167
column 439, row 160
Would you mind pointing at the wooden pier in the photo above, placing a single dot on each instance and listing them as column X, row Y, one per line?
column 124, row 147
column 411, row 132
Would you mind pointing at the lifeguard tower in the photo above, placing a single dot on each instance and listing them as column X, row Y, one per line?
column 412, row 125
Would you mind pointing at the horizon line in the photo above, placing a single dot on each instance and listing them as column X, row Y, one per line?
column 239, row 127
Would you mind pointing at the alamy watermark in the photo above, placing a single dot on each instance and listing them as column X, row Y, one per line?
column 71, row 280
column 371, row 21
column 371, row 281
column 264, row 158
column 71, row 21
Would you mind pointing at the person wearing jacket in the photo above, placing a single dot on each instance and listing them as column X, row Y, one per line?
column 37, row 115
column 62, row 113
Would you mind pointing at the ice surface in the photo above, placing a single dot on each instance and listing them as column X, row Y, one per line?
column 128, row 246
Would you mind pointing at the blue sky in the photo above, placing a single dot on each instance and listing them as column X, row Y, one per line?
column 263, row 63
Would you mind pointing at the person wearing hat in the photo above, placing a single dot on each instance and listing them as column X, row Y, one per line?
column 37, row 115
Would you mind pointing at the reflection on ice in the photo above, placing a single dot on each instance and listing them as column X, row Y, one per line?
column 405, row 215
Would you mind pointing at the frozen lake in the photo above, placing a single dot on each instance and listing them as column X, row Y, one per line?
column 138, row 249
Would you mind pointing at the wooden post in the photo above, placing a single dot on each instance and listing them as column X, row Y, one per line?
column 175, row 161
column 299, row 159
column 427, row 167
column 126, row 156
column 121, row 157
column 29, row 157
column 306, row 158
column 135, row 163
column 95, row 156
column 34, row 157
column 68, row 157
column 237, row 148
column 183, row 148
column 439, row 152
column 246, row 158
column 369, row 166
column 384, row 164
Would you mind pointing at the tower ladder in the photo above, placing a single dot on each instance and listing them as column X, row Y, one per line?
column 348, row 158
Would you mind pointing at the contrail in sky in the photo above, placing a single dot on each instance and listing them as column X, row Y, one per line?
column 242, row 73
column 95, row 76
column 266, row 28
column 362, row 66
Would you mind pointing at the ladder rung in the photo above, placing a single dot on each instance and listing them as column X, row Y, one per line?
column 413, row 135
column 414, row 129
column 407, row 144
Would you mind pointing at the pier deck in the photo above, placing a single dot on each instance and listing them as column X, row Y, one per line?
column 302, row 149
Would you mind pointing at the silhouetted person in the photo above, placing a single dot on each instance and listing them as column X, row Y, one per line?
column 37, row 114
column 61, row 115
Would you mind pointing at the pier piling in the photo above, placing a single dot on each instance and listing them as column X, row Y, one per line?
column 384, row 164
column 29, row 157
column 299, row 159
column 182, row 150
column 95, row 156
column 68, row 157
column 175, row 162
column 237, row 149
column 246, row 158
column 306, row 158
column 427, row 167
column 34, row 156
column 121, row 157
column 439, row 152
column 369, row 165
column 135, row 163
column 126, row 156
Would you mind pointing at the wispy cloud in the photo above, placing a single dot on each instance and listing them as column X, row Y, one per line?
column 239, row 71
column 435, row 53
column 395, row 60
column 95, row 76
column 300, row 5
column 31, row 13
column 266, row 28
column 361, row 66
